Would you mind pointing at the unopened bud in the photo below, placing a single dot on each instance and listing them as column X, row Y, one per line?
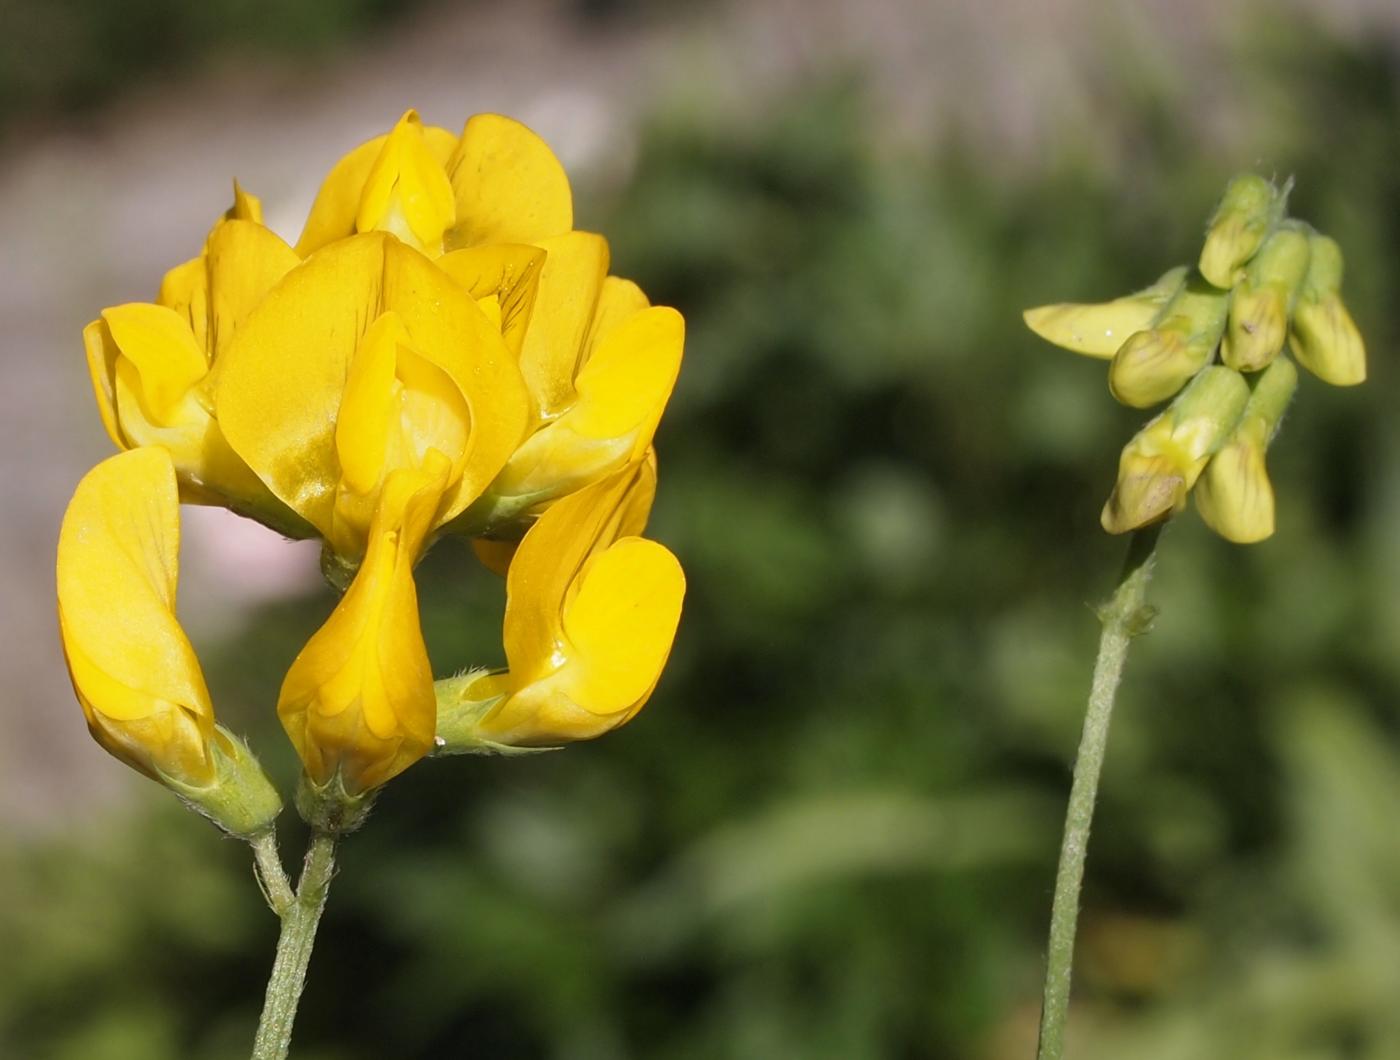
column 1261, row 302
column 1324, row 338
column 1235, row 496
column 1162, row 462
column 1099, row 329
column 1157, row 362
column 1248, row 210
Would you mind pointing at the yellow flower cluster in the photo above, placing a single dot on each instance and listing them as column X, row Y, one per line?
column 440, row 354
column 1214, row 339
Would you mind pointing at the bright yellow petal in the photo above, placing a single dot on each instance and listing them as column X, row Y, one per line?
column 618, row 301
column 130, row 661
column 624, row 387
column 185, row 290
column 158, row 342
column 102, row 355
column 508, row 185
column 569, row 286
column 359, row 698
column 508, row 272
column 620, row 624
column 363, row 424
column 244, row 260
column 246, row 206
column 337, row 203
column 406, row 189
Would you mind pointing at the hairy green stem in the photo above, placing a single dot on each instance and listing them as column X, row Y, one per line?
column 1124, row 616
column 271, row 877
column 299, row 921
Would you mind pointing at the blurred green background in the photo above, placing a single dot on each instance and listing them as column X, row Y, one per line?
column 832, row 833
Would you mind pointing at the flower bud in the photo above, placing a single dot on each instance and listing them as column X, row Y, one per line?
column 133, row 669
column 1099, row 329
column 1261, row 302
column 1157, row 362
column 1324, row 338
column 1248, row 210
column 1162, row 462
column 1234, row 496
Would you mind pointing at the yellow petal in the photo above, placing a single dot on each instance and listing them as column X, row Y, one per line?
column 569, row 286
column 358, row 700
column 406, row 189
column 246, row 206
column 363, row 424
column 508, row 272
column 102, row 354
column 508, row 185
column 618, row 301
column 243, row 260
column 337, row 203
column 133, row 669
column 185, row 290
column 158, row 342
column 620, row 624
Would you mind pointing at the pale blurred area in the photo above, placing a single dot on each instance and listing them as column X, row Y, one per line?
column 92, row 212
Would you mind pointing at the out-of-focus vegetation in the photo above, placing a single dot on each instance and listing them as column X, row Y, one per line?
column 832, row 833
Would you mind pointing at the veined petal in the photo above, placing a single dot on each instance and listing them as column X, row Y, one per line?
column 358, row 700
column 363, row 424
column 570, row 283
column 158, row 342
column 244, row 261
column 133, row 668
column 185, row 290
column 618, row 301
column 508, row 185
column 337, row 203
column 507, row 272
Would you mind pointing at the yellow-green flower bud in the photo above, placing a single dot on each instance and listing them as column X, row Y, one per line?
column 1234, row 496
column 1324, row 337
column 241, row 800
column 1157, row 362
column 1261, row 302
column 1247, row 212
column 1099, row 329
column 1162, row 462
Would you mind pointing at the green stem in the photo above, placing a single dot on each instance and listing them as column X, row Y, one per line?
column 299, row 922
column 1124, row 616
column 272, row 878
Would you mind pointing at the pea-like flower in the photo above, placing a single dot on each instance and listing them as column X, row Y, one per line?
column 133, row 669
column 496, row 183
column 591, row 613
column 367, row 359
column 153, row 364
column 358, row 701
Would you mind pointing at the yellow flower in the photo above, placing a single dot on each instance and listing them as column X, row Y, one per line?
column 1162, row 462
column 600, row 363
column 1157, row 362
column 1324, row 338
column 1260, row 302
column 496, row 183
column 133, row 669
column 358, row 701
column 152, row 363
column 1245, row 215
column 367, row 359
column 591, row 613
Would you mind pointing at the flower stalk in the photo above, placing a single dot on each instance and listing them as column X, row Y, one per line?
column 300, row 918
column 1125, row 616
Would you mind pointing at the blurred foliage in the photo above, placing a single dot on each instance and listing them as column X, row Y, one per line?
column 833, row 832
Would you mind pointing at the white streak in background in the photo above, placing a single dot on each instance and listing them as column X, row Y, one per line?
column 229, row 565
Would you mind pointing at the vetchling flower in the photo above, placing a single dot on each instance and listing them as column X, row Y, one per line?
column 1324, row 338
column 365, row 359
column 1100, row 329
column 133, row 669
column 1263, row 299
column 153, row 364
column 358, row 701
column 1246, row 214
column 591, row 613
column 496, row 183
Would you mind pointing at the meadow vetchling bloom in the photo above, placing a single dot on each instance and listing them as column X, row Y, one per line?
column 153, row 364
column 591, row 613
column 133, row 669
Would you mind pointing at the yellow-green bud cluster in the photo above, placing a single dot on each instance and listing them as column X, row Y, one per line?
column 1213, row 340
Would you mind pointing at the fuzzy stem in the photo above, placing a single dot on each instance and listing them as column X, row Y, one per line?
column 299, row 922
column 1124, row 616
